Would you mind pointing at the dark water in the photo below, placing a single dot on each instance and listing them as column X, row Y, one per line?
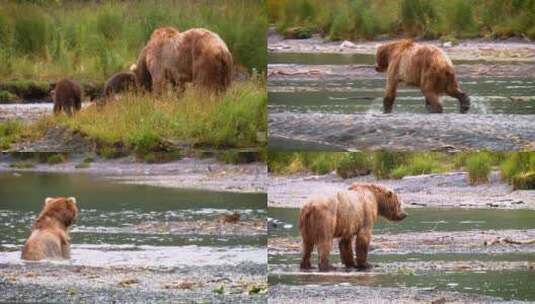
column 511, row 284
column 112, row 217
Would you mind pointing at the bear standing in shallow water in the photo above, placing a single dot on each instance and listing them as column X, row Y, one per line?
column 67, row 97
column 423, row 66
column 50, row 232
column 345, row 215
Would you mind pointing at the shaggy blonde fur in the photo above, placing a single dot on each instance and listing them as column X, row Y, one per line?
column 50, row 232
column 423, row 66
column 196, row 55
column 345, row 215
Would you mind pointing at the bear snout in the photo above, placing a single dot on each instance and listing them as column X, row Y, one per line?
column 379, row 69
column 402, row 215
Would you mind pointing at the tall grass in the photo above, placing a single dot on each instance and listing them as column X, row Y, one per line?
column 143, row 122
column 47, row 40
column 478, row 166
column 365, row 19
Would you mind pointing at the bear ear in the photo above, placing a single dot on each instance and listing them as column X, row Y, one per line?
column 389, row 193
column 48, row 200
column 133, row 67
column 72, row 199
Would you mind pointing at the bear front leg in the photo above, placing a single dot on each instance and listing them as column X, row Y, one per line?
column 361, row 246
column 324, row 249
column 390, row 95
column 346, row 253
column 464, row 100
column 308, row 246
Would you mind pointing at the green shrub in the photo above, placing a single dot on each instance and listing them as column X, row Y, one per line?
column 10, row 132
column 353, row 164
column 55, row 159
column 32, row 32
column 524, row 181
column 516, row 163
column 417, row 16
column 83, row 165
column 110, row 22
column 22, row 164
column 384, row 163
column 7, row 97
column 478, row 166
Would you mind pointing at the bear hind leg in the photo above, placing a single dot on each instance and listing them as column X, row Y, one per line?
column 324, row 249
column 308, row 247
column 432, row 103
column 361, row 248
column 346, row 253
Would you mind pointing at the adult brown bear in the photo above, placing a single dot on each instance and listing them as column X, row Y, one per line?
column 424, row 66
column 50, row 232
column 67, row 96
column 196, row 55
column 345, row 215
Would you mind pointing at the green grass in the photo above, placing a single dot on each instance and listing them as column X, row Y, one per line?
column 145, row 123
column 353, row 164
column 48, row 40
column 10, row 132
column 55, row 159
column 366, row 19
column 478, row 166
column 516, row 167
column 417, row 165
column 524, row 181
column 23, row 164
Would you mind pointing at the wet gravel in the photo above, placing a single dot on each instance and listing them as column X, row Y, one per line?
column 405, row 131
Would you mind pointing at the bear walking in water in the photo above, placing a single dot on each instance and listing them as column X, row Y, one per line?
column 67, row 97
column 50, row 232
column 345, row 215
column 423, row 66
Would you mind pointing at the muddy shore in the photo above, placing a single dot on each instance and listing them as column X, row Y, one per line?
column 190, row 173
column 448, row 190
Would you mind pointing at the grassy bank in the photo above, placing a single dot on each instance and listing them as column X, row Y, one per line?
column 90, row 40
column 145, row 123
column 517, row 168
column 367, row 19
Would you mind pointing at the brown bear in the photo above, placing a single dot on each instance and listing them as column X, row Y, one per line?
column 119, row 82
column 345, row 215
column 423, row 66
column 196, row 55
column 67, row 96
column 50, row 232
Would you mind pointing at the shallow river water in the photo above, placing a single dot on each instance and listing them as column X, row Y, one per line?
column 333, row 99
column 133, row 229
column 451, row 256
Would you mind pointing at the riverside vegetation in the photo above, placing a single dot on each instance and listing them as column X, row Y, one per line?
column 43, row 41
column 517, row 168
column 429, row 19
